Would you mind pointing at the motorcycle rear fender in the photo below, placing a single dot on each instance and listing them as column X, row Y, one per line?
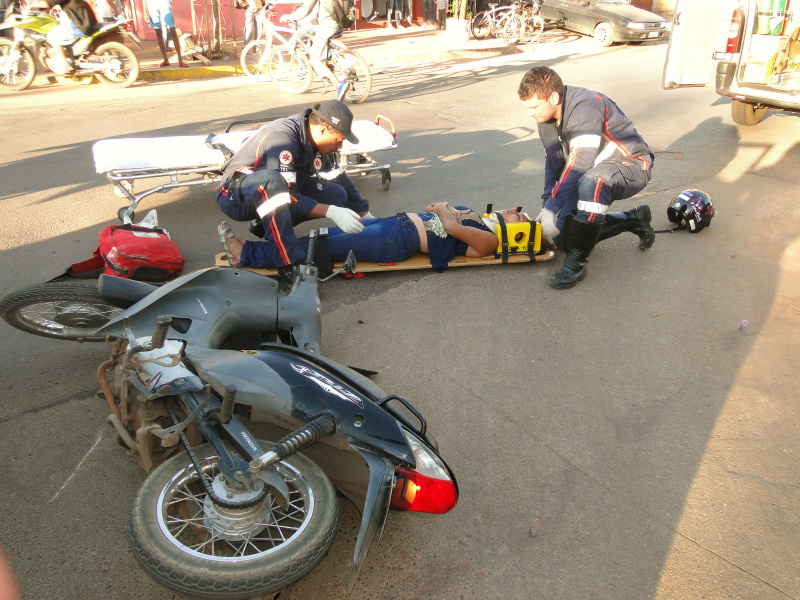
column 286, row 388
column 207, row 306
column 107, row 33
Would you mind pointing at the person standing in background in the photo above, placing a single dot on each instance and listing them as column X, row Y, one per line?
column 159, row 13
column 442, row 6
column 428, row 10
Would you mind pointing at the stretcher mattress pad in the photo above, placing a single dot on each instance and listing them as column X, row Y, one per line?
column 192, row 151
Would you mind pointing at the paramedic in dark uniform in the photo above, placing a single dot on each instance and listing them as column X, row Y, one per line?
column 593, row 156
column 281, row 164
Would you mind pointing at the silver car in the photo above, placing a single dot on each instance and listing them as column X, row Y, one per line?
column 608, row 21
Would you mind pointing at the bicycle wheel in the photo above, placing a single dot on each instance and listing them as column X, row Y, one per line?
column 350, row 66
column 481, row 25
column 497, row 24
column 290, row 69
column 533, row 28
column 511, row 29
column 254, row 60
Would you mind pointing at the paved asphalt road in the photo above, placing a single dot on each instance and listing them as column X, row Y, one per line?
column 633, row 438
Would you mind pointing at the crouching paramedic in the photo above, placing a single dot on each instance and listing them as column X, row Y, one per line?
column 593, row 156
column 281, row 164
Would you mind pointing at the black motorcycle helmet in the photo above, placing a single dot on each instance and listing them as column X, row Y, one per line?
column 691, row 209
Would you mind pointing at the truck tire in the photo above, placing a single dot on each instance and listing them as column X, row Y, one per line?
column 744, row 113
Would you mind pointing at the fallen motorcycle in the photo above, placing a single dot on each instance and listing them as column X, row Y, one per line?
column 205, row 367
column 101, row 54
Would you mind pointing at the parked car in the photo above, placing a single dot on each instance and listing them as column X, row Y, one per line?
column 758, row 54
column 608, row 21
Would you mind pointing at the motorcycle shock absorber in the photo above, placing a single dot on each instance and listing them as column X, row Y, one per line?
column 296, row 441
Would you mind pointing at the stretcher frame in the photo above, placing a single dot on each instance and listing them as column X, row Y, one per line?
column 417, row 262
column 353, row 160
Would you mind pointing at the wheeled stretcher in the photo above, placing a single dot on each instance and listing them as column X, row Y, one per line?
column 192, row 160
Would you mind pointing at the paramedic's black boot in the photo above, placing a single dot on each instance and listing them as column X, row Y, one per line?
column 637, row 220
column 256, row 227
column 579, row 239
column 642, row 227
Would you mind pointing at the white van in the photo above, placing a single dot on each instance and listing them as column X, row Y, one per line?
column 757, row 44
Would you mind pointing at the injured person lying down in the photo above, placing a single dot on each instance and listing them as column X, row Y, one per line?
column 442, row 232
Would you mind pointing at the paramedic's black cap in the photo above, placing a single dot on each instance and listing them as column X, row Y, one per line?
column 337, row 115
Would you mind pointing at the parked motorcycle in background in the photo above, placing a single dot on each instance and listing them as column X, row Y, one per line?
column 102, row 54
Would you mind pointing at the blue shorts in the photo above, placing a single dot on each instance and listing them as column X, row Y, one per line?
column 159, row 13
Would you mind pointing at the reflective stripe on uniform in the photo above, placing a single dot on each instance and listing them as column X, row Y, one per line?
column 585, row 141
column 592, row 207
column 606, row 153
column 270, row 204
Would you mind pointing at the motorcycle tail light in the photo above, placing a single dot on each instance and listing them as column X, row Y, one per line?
column 415, row 491
column 428, row 487
column 129, row 26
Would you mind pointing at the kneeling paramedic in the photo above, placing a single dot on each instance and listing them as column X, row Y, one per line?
column 292, row 152
column 593, row 156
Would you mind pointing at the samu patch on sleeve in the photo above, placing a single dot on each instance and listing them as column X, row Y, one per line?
column 285, row 157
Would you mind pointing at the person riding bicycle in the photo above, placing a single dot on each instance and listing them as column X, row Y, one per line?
column 76, row 19
column 326, row 28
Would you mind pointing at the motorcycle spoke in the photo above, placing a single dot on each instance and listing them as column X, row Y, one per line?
column 190, row 522
column 62, row 314
column 186, row 523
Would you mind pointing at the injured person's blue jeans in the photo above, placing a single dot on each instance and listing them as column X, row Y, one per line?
column 384, row 240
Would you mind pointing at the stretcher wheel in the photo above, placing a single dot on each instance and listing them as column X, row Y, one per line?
column 386, row 180
column 121, row 214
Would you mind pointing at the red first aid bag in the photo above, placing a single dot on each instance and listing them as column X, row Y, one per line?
column 141, row 253
column 132, row 252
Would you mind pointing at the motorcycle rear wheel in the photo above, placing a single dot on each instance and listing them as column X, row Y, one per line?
column 126, row 66
column 65, row 310
column 191, row 546
column 19, row 75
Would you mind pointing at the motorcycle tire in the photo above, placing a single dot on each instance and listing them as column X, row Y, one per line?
column 194, row 548
column 65, row 310
column 15, row 77
column 127, row 71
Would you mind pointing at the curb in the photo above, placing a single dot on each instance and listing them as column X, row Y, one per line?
column 230, row 70
column 176, row 73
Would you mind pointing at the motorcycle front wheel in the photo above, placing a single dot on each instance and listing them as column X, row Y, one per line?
column 65, row 310
column 17, row 68
column 196, row 548
column 123, row 69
